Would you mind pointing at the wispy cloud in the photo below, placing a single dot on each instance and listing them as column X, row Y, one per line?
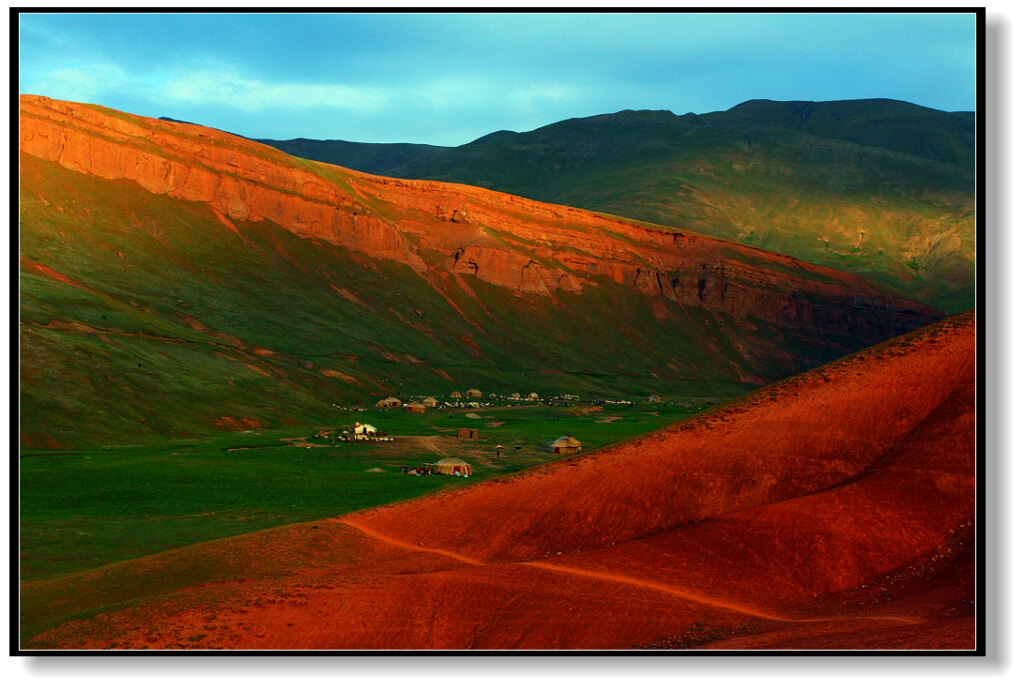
column 84, row 83
column 534, row 97
column 226, row 87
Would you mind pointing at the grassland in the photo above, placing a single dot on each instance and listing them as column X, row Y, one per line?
column 94, row 506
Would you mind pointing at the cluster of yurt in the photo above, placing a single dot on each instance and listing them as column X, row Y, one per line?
column 414, row 406
column 431, row 401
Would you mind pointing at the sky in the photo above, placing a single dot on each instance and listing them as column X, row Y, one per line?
column 447, row 79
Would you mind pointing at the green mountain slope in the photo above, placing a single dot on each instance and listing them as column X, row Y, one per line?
column 177, row 281
column 880, row 188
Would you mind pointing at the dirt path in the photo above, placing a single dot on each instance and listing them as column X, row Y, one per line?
column 706, row 600
column 688, row 595
column 425, row 442
column 369, row 532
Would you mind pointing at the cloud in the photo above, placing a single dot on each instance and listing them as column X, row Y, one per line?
column 535, row 97
column 468, row 92
column 226, row 87
column 84, row 83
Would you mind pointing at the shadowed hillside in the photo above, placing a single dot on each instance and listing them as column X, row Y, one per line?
column 881, row 188
column 177, row 280
column 832, row 510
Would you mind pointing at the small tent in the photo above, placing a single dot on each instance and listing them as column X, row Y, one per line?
column 364, row 429
column 566, row 445
column 449, row 466
column 474, row 393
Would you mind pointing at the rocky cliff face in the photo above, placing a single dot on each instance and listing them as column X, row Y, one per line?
column 529, row 247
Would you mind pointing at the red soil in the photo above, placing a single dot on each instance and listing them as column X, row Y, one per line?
column 238, row 423
column 53, row 274
column 833, row 510
column 531, row 247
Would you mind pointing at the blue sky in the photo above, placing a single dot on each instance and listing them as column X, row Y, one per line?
column 450, row 78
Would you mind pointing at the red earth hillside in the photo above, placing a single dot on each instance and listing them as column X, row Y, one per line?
column 832, row 510
column 443, row 230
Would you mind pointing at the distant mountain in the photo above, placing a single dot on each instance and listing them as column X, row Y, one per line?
column 362, row 156
column 884, row 123
column 881, row 188
column 177, row 280
column 490, row 137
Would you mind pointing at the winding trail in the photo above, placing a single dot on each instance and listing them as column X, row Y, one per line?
column 405, row 545
column 688, row 595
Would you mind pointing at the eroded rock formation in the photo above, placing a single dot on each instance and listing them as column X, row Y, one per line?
column 504, row 240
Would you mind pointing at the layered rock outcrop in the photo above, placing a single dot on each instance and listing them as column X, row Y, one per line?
column 465, row 232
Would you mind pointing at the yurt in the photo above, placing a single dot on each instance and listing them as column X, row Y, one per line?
column 654, row 398
column 566, row 445
column 455, row 394
column 430, row 402
column 449, row 466
column 381, row 403
column 419, row 408
column 533, row 396
column 392, row 401
column 474, row 393
column 364, row 429
column 515, row 396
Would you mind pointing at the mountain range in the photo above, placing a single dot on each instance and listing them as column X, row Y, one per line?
column 881, row 188
column 177, row 279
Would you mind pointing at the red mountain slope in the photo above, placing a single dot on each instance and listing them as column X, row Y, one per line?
column 264, row 288
column 833, row 510
column 441, row 228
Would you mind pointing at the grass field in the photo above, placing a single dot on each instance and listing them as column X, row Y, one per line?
column 85, row 508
